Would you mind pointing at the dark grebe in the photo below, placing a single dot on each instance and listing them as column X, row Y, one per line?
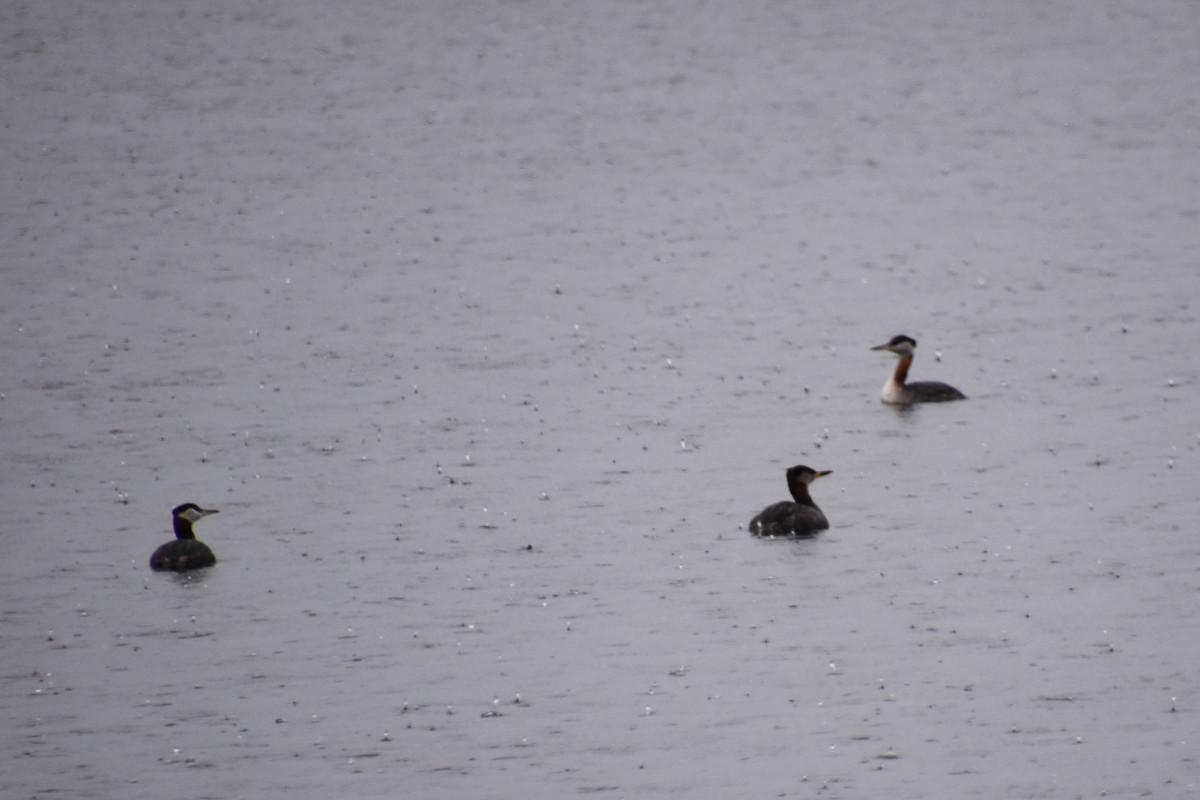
column 797, row 517
column 186, row 552
column 898, row 393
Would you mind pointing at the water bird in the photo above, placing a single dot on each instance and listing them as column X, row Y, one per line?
column 899, row 393
column 186, row 551
column 796, row 517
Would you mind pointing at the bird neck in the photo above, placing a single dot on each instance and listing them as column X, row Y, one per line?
column 901, row 373
column 800, row 493
column 183, row 529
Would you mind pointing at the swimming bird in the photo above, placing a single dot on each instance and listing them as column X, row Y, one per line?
column 186, row 551
column 796, row 517
column 898, row 393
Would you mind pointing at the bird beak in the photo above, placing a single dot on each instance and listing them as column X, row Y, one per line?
column 823, row 474
column 208, row 511
column 880, row 347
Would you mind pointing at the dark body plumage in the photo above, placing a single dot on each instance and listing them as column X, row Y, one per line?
column 186, row 551
column 796, row 517
column 899, row 392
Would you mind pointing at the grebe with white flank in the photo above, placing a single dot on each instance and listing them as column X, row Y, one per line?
column 898, row 393
column 797, row 517
column 186, row 551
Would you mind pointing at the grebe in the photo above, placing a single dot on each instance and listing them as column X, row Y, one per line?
column 186, row 552
column 897, row 392
column 797, row 517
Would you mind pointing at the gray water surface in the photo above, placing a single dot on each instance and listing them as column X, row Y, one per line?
column 487, row 327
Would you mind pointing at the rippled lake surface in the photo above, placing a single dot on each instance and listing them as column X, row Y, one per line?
column 488, row 326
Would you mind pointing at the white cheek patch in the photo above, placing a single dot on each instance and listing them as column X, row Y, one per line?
column 191, row 515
